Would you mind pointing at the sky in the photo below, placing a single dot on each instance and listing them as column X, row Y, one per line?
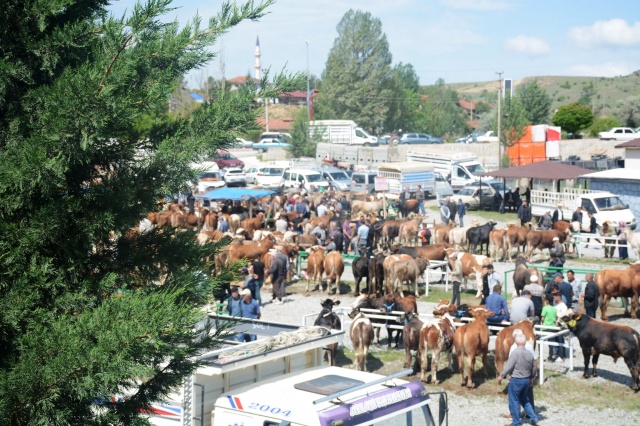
column 456, row 40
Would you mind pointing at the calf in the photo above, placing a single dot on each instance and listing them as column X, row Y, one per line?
column 479, row 235
column 360, row 268
column 388, row 269
column 544, row 240
column 408, row 271
column 470, row 341
column 328, row 319
column 361, row 333
column 598, row 337
column 333, row 268
column 516, row 237
column 436, row 337
column 505, row 340
column 411, row 338
column 617, row 283
column 315, row 266
column 498, row 244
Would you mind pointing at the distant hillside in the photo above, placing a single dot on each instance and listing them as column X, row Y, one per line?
column 562, row 90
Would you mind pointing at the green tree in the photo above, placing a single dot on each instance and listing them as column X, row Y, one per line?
column 302, row 143
column 535, row 101
column 92, row 309
column 356, row 82
column 514, row 120
column 628, row 111
column 573, row 117
column 403, row 107
column 439, row 113
column 602, row 125
column 587, row 94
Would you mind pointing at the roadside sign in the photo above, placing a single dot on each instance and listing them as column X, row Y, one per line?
column 381, row 183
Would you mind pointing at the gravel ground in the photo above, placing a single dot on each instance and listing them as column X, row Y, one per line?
column 484, row 405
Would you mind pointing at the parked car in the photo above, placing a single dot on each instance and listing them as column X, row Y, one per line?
column 225, row 159
column 268, row 177
column 475, row 198
column 481, row 137
column 266, row 144
column 337, row 178
column 495, row 184
column 243, row 143
column 618, row 134
column 416, row 138
column 234, row 176
column 307, row 178
column 209, row 181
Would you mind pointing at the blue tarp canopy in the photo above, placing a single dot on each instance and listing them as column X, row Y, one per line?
column 234, row 194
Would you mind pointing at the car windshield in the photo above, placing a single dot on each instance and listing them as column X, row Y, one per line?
column 227, row 156
column 476, row 169
column 210, row 175
column 339, row 176
column 610, row 203
column 314, row 178
column 466, row 191
column 271, row 172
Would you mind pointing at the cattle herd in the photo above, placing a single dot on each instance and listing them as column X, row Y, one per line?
column 400, row 257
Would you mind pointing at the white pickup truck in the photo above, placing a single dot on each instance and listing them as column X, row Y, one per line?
column 605, row 206
column 287, row 384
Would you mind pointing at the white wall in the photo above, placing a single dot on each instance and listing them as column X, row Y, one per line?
column 632, row 159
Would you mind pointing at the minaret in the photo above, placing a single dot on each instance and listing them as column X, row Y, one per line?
column 257, row 55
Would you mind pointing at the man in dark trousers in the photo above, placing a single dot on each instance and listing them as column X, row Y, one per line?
column 591, row 295
column 258, row 275
column 577, row 215
column 453, row 209
column 557, row 214
column 278, row 273
column 524, row 213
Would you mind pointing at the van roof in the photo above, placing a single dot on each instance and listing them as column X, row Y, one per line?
column 304, row 171
column 366, row 172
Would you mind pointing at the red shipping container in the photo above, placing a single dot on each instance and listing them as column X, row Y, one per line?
column 554, row 133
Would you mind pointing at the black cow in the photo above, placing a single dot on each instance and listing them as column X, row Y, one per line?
column 479, row 235
column 598, row 337
column 327, row 318
column 376, row 273
column 360, row 268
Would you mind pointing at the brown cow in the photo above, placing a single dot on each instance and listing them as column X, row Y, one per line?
column 411, row 338
column 390, row 230
column 361, row 333
column 617, row 283
column 498, row 244
column 470, row 341
column 307, row 240
column 516, row 237
column 204, row 237
column 315, row 221
column 505, row 340
column 333, row 268
column 388, row 271
column 252, row 225
column 522, row 275
column 408, row 271
column 436, row 337
column 430, row 252
column 315, row 266
column 366, row 207
column 544, row 240
column 249, row 250
column 440, row 233
column 408, row 231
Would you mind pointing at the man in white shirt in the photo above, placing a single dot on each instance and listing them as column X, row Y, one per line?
column 322, row 209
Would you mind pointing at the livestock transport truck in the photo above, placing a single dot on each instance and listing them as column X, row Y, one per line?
column 280, row 379
column 460, row 168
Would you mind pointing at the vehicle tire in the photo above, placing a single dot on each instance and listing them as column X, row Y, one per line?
column 394, row 141
column 262, row 150
column 366, row 144
column 467, row 206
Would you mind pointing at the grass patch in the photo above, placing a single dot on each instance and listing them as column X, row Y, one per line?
column 436, row 295
column 487, row 215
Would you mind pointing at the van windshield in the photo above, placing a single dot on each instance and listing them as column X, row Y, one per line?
column 227, row 156
column 314, row 178
column 339, row 176
column 609, row 203
column 271, row 172
column 475, row 169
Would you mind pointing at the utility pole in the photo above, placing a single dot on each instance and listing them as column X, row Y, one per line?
column 308, row 103
column 266, row 107
column 500, row 119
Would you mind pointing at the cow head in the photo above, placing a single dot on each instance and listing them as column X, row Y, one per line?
column 362, row 297
column 520, row 260
column 329, row 304
column 355, row 312
column 480, row 313
column 491, row 224
column 422, row 264
column 569, row 320
column 444, row 308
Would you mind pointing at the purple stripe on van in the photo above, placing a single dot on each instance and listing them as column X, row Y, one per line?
column 375, row 406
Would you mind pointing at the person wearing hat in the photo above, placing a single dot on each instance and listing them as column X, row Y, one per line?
column 251, row 310
column 565, row 289
column 456, row 278
column 233, row 303
column 537, row 293
column 524, row 213
column 557, row 253
column 249, row 282
column 522, row 308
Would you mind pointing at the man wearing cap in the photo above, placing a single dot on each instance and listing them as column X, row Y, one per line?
column 522, row 308
column 498, row 305
column 251, row 310
column 553, row 287
column 565, row 290
column 537, row 293
column 557, row 251
column 523, row 370
column 456, row 278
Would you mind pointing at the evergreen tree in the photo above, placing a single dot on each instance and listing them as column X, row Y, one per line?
column 302, row 143
column 404, row 106
column 92, row 309
column 356, row 82
column 514, row 120
column 535, row 101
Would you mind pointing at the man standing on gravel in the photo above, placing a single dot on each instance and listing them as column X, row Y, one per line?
column 278, row 273
column 523, row 370
column 524, row 213
column 456, row 278
column 590, row 296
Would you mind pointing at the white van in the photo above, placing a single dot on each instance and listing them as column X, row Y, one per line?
column 293, row 178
